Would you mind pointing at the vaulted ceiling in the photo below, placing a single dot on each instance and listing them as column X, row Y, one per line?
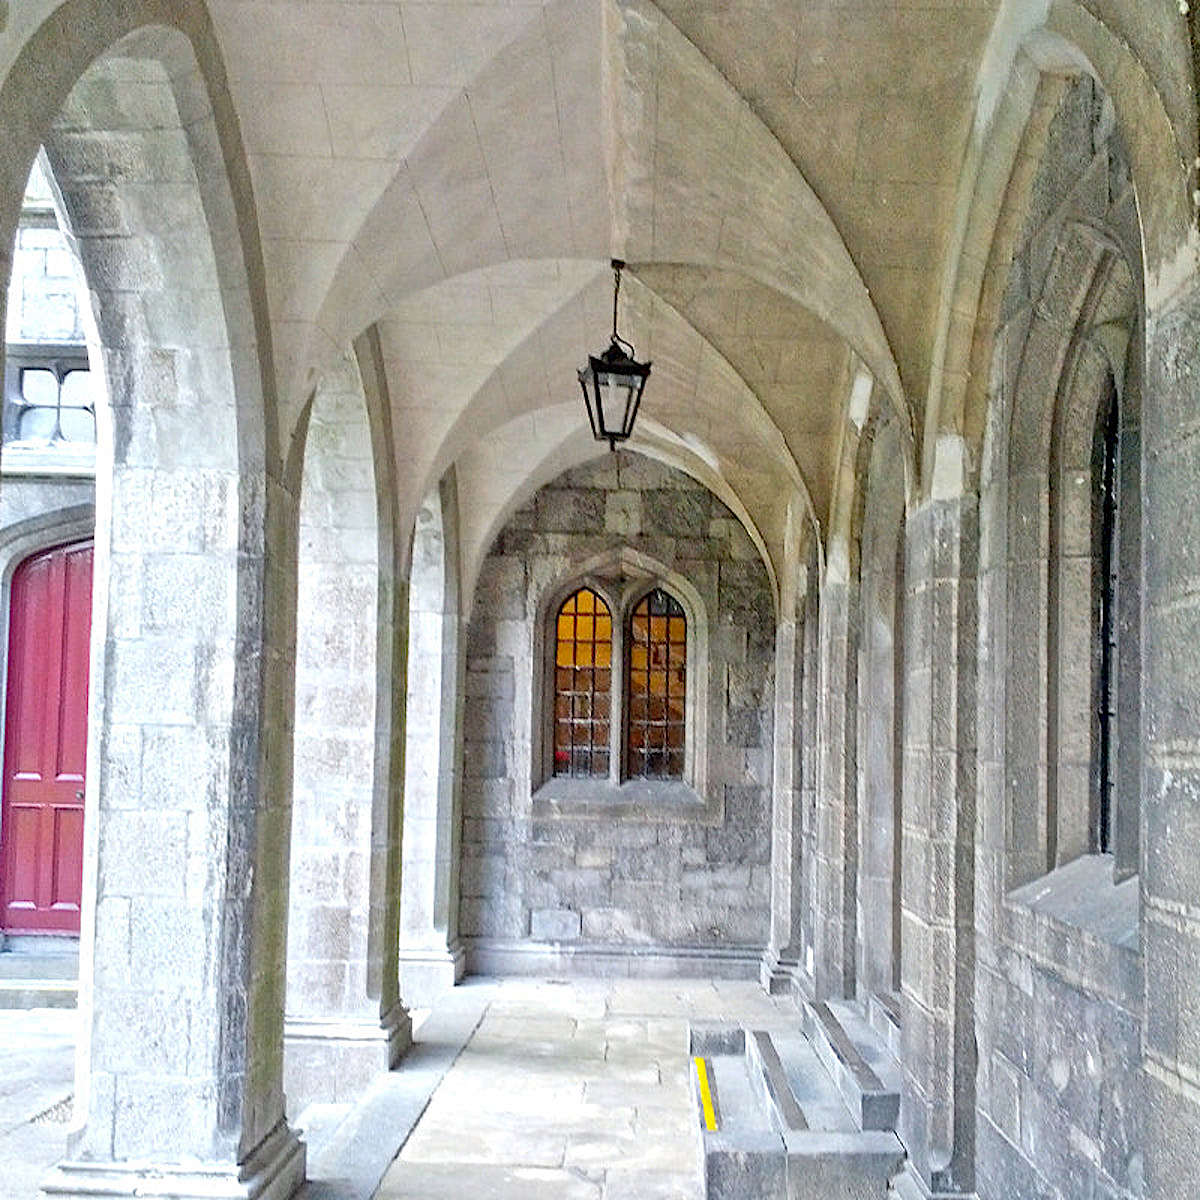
column 781, row 176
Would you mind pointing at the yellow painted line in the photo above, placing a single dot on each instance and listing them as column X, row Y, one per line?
column 706, row 1102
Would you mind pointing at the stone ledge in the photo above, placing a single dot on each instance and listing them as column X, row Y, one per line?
column 1079, row 925
column 636, row 800
column 38, row 993
column 650, row 961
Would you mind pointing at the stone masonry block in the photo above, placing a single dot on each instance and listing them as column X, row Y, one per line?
column 554, row 925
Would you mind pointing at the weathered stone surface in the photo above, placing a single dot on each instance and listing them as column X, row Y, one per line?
column 620, row 877
column 554, row 924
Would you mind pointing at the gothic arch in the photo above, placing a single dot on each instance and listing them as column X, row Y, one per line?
column 183, row 512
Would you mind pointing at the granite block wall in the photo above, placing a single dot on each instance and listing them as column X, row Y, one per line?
column 653, row 866
column 1058, row 994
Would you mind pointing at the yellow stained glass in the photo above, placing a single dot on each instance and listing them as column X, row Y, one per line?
column 583, row 654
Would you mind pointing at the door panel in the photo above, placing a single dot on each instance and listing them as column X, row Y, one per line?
column 45, row 745
column 67, row 858
column 76, row 634
column 24, row 822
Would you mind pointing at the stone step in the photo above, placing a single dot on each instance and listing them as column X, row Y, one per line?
column 904, row 1186
column 766, row 1069
column 783, row 1130
column 18, row 961
column 883, row 1015
column 866, row 1074
column 849, row 1166
column 38, row 993
column 812, row 1085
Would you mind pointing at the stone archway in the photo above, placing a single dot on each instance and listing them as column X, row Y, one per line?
column 431, row 956
column 343, row 1026
column 178, row 1062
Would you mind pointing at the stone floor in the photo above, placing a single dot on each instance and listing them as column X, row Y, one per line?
column 573, row 1091
column 37, row 1074
column 561, row 1090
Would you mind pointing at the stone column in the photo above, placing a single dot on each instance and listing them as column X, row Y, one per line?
column 181, row 960
column 178, row 1081
column 341, row 1030
column 783, row 952
column 1170, row 828
column 807, row 751
column 837, row 829
column 937, row 858
column 431, row 957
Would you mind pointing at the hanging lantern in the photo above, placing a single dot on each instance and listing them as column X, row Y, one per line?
column 613, row 382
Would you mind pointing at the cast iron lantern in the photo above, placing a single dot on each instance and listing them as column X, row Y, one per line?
column 613, row 382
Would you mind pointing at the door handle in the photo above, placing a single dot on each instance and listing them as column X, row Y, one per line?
column 78, row 795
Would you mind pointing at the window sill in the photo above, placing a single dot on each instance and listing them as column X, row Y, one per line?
column 635, row 800
column 1084, row 928
column 44, row 461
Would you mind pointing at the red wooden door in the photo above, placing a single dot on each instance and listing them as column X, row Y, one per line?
column 45, row 743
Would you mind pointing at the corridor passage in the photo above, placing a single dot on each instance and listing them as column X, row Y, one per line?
column 573, row 1090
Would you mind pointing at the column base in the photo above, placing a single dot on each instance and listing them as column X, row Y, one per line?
column 426, row 974
column 909, row 1185
column 334, row 1061
column 777, row 973
column 275, row 1171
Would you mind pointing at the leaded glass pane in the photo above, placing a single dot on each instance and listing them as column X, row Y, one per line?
column 657, row 687
column 582, row 679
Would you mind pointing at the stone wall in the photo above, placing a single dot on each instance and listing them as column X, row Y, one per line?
column 668, row 873
column 46, row 296
column 1058, row 998
column 35, row 500
column 46, row 302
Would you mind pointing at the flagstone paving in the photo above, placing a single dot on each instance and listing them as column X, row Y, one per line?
column 573, row 1090
column 37, row 1077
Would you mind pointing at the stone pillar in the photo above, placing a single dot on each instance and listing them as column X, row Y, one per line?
column 181, row 962
column 937, row 858
column 783, row 952
column 341, row 1031
column 837, row 829
column 178, row 1081
column 431, row 956
column 1170, row 828
column 807, row 752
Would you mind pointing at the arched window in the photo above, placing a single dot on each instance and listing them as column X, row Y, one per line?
column 1106, row 552
column 657, row 688
column 582, row 686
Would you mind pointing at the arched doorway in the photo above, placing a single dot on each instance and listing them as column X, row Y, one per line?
column 45, row 742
